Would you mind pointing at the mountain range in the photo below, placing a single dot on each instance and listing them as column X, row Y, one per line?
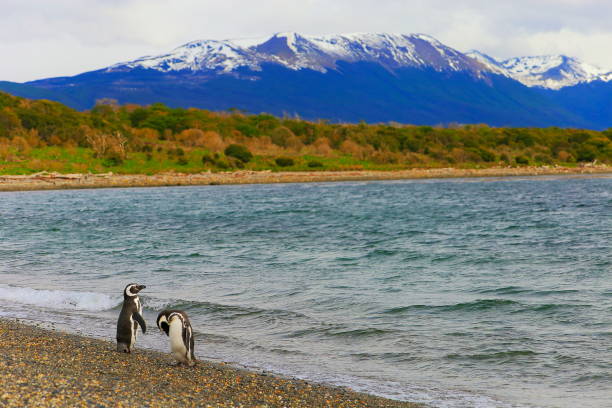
column 351, row 77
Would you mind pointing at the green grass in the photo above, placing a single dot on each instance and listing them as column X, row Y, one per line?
column 81, row 160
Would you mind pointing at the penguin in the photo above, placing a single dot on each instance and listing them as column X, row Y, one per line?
column 175, row 324
column 129, row 318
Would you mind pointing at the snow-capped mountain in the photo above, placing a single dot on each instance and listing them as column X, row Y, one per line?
column 349, row 77
column 547, row 71
column 319, row 53
column 322, row 53
column 489, row 62
column 553, row 71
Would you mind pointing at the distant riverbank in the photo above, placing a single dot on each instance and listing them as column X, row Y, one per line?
column 50, row 368
column 57, row 181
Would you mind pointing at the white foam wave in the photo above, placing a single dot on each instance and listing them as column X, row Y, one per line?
column 59, row 299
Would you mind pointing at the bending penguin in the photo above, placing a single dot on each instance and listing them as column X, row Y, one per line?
column 129, row 318
column 175, row 324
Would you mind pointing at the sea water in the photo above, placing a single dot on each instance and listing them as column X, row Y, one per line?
column 456, row 293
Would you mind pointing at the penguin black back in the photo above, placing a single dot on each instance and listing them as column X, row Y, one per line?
column 130, row 318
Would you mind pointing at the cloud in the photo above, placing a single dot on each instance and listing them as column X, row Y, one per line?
column 42, row 39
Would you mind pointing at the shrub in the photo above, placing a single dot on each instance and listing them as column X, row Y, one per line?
column 176, row 152
column 182, row 161
column 284, row 162
column 208, row 159
column 240, row 152
column 521, row 160
column 281, row 136
column 236, row 163
column 322, row 147
column 586, row 153
column 351, row 148
column 486, row 155
column 315, row 163
column 543, row 158
column 113, row 160
column 21, row 145
column 191, row 137
column 222, row 164
column 564, row 156
column 212, row 141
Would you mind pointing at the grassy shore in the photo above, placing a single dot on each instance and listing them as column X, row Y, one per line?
column 43, row 368
column 55, row 181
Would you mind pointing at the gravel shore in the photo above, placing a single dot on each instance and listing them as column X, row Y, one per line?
column 56, row 181
column 48, row 368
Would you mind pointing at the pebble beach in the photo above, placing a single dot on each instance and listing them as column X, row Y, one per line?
column 44, row 368
column 57, row 181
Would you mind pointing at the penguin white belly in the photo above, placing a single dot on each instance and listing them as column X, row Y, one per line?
column 133, row 332
column 133, row 324
column 177, row 347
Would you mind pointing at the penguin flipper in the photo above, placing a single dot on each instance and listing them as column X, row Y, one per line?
column 137, row 316
column 188, row 341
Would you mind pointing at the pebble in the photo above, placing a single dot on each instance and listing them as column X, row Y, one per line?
column 44, row 368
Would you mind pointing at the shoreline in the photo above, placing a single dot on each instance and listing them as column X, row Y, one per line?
column 44, row 367
column 57, row 181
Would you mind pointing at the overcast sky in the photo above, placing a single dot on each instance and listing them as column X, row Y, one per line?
column 43, row 38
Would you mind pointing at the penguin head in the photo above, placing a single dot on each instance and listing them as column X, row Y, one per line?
column 132, row 290
column 162, row 322
column 166, row 317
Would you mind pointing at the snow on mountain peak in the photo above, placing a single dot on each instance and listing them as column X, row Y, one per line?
column 552, row 71
column 320, row 53
column 392, row 51
column 290, row 38
column 545, row 71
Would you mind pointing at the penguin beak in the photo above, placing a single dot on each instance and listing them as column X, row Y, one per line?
column 137, row 288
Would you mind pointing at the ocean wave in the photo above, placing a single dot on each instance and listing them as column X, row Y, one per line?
column 499, row 355
column 477, row 305
column 517, row 290
column 341, row 331
column 397, row 357
column 506, row 290
column 380, row 253
column 555, row 292
column 594, row 379
column 483, row 304
column 361, row 332
column 59, row 299
column 163, row 257
column 219, row 310
column 551, row 308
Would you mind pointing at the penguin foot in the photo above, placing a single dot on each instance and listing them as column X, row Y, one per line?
column 123, row 348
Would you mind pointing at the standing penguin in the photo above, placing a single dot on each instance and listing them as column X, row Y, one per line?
column 129, row 318
column 175, row 324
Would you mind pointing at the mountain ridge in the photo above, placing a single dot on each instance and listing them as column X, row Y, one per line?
column 410, row 78
column 544, row 71
column 320, row 53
